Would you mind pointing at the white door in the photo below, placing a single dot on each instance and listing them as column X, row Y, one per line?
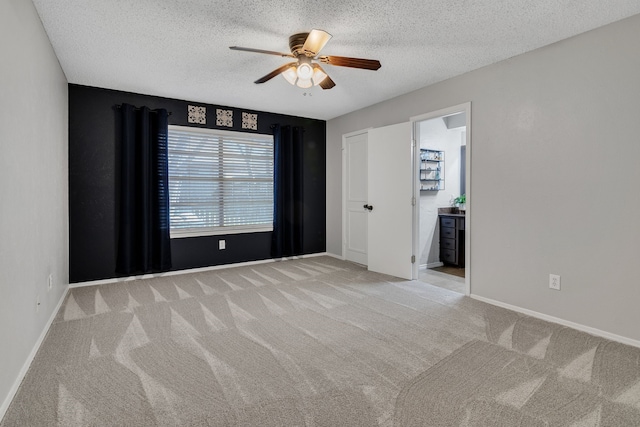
column 390, row 189
column 355, row 190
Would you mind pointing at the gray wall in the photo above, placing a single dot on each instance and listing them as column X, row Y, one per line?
column 33, row 186
column 554, row 178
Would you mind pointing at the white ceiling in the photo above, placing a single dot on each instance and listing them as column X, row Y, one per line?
column 179, row 49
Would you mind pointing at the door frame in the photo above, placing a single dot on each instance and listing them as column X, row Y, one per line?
column 460, row 108
column 344, row 185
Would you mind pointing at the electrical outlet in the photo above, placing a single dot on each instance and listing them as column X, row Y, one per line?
column 222, row 244
column 554, row 282
column 50, row 282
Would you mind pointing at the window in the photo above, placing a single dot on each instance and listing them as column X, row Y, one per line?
column 220, row 182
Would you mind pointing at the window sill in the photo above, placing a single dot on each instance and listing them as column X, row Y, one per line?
column 179, row 234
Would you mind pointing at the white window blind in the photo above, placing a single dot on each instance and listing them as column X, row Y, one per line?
column 220, row 182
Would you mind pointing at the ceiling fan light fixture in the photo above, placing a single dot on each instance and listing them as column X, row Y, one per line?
column 318, row 76
column 305, row 71
column 304, row 83
column 291, row 75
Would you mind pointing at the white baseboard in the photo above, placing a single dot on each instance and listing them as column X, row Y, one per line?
column 340, row 257
column 563, row 322
column 430, row 265
column 192, row 270
column 32, row 355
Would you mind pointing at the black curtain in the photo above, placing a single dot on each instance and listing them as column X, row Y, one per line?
column 288, row 191
column 143, row 241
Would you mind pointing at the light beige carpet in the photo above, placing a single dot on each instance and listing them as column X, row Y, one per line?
column 316, row 342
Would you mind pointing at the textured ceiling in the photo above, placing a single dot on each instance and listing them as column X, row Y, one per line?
column 179, row 49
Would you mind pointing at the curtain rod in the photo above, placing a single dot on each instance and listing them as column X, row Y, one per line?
column 137, row 108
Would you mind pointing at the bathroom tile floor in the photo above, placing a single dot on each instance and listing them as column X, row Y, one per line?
column 443, row 280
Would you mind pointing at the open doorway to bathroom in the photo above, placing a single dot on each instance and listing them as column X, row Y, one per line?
column 442, row 147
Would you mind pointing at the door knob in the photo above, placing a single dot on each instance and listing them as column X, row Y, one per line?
column 368, row 207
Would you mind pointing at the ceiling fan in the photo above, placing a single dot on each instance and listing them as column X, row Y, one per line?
column 304, row 72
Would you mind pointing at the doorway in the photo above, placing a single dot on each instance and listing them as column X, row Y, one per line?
column 376, row 216
column 355, row 196
column 377, row 199
column 441, row 227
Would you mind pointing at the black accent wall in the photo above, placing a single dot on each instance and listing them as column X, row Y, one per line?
column 93, row 194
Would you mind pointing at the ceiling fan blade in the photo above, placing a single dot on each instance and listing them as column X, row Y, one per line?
column 275, row 72
column 315, row 41
column 268, row 52
column 327, row 83
column 343, row 61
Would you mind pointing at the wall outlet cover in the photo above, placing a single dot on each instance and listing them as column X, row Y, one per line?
column 554, row 282
column 222, row 244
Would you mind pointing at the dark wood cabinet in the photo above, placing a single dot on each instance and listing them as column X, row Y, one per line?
column 452, row 239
